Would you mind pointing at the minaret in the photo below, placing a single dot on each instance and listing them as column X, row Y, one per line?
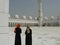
column 4, row 31
column 40, row 14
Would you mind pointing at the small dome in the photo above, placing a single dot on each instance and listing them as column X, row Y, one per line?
column 24, row 17
column 35, row 18
column 52, row 17
column 16, row 16
column 46, row 18
column 30, row 17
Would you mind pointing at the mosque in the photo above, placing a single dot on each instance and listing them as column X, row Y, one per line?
column 41, row 35
column 33, row 21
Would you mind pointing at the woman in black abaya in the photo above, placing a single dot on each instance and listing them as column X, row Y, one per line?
column 17, row 35
column 28, row 33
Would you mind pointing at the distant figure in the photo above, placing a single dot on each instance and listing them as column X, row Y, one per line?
column 17, row 35
column 28, row 33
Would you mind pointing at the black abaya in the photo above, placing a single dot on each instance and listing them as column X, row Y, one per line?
column 28, row 40
column 18, row 36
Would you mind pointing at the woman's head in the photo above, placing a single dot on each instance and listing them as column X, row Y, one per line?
column 28, row 27
column 18, row 25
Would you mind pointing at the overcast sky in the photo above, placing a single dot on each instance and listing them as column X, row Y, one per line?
column 30, row 7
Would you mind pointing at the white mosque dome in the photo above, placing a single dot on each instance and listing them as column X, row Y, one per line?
column 52, row 17
column 35, row 18
column 16, row 16
column 24, row 17
column 46, row 18
column 30, row 17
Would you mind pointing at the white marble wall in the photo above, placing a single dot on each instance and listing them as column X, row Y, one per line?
column 4, row 31
column 4, row 6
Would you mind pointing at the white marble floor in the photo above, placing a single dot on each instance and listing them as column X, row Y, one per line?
column 39, row 37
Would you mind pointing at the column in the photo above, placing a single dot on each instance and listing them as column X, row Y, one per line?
column 4, row 31
column 40, row 14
